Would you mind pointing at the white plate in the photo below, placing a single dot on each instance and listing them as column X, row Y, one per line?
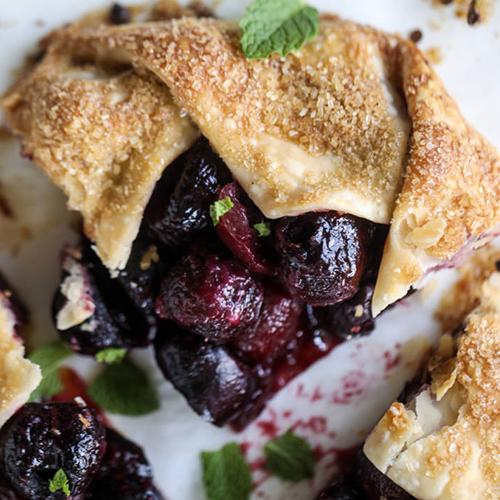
column 336, row 401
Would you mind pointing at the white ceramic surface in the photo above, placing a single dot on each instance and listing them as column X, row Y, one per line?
column 337, row 400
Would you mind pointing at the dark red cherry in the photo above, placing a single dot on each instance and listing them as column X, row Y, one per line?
column 278, row 324
column 323, row 255
column 92, row 311
column 119, row 14
column 215, row 384
column 141, row 276
column 375, row 484
column 352, row 317
column 40, row 439
column 211, row 294
column 236, row 230
column 341, row 489
column 124, row 473
column 176, row 218
column 6, row 492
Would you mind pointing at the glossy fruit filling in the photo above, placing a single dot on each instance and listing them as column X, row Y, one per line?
column 239, row 304
column 43, row 439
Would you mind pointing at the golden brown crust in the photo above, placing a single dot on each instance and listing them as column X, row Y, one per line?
column 18, row 376
column 464, row 295
column 281, row 125
column 326, row 128
column 105, row 138
column 451, row 431
column 450, row 195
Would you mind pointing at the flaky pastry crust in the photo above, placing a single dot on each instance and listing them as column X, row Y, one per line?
column 444, row 443
column 18, row 376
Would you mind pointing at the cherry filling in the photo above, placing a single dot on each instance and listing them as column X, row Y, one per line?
column 237, row 231
column 178, row 218
column 115, row 315
column 214, row 382
column 210, row 293
column 323, row 256
column 242, row 304
column 364, row 482
column 124, row 472
column 40, row 439
column 44, row 438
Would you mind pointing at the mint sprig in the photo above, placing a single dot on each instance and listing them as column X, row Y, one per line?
column 263, row 229
column 226, row 475
column 125, row 389
column 60, row 482
column 289, row 457
column 277, row 26
column 111, row 355
column 48, row 357
column 220, row 208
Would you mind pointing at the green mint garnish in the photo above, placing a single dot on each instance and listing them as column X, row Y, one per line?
column 60, row 483
column 111, row 355
column 289, row 457
column 125, row 389
column 263, row 229
column 219, row 208
column 48, row 357
column 226, row 475
column 279, row 26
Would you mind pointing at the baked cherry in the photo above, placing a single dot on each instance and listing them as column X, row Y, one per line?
column 6, row 492
column 215, row 384
column 140, row 278
column 177, row 218
column 119, row 14
column 341, row 489
column 352, row 317
column 323, row 255
column 92, row 311
column 40, row 439
column 278, row 324
column 210, row 293
column 236, row 230
column 124, row 473
column 374, row 483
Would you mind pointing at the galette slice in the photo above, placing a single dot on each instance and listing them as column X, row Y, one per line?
column 262, row 240
column 356, row 121
column 442, row 441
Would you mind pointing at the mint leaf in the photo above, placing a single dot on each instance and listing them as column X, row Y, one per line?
column 263, row 229
column 290, row 457
column 226, row 475
column 111, row 355
column 48, row 357
column 219, row 208
column 60, row 483
column 280, row 26
column 125, row 389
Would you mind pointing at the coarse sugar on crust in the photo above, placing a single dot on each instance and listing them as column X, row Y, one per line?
column 447, row 444
column 104, row 138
